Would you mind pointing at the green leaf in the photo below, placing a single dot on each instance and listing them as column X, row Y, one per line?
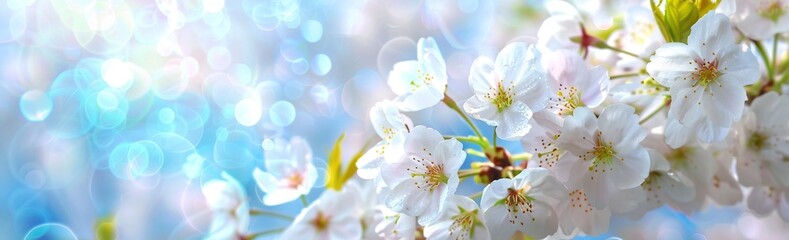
column 705, row 6
column 680, row 16
column 105, row 228
column 659, row 18
column 334, row 174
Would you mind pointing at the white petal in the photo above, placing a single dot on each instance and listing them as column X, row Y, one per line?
column 421, row 98
column 741, row 66
column 541, row 222
column 450, row 153
column 711, row 33
column 515, row 124
column 581, row 125
column 514, row 60
column 632, row 171
column 619, row 125
column 401, row 76
column 369, row 165
column 482, row 110
column 407, row 199
column 672, row 62
column 494, row 192
column 724, row 102
column 483, row 76
column 685, row 100
column 422, row 139
column 759, row 202
column 497, row 218
column 725, row 190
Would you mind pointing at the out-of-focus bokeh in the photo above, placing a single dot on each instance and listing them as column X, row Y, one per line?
column 114, row 113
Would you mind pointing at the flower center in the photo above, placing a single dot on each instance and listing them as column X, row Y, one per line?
column 679, row 157
column 706, row 72
column 757, row 141
column 295, row 180
column 518, row 202
column 428, row 174
column 500, row 96
column 602, row 154
column 773, row 10
column 321, row 221
column 642, row 32
column 464, row 222
column 389, row 134
column 568, row 98
column 423, row 79
column 550, row 154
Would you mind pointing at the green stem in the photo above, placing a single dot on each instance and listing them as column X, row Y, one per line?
column 775, row 56
column 476, row 195
column 261, row 212
column 653, row 113
column 264, row 233
column 454, row 106
column 520, row 156
column 756, row 87
column 467, row 173
column 494, row 137
column 304, row 200
column 476, row 152
column 612, row 48
column 469, row 139
column 624, row 75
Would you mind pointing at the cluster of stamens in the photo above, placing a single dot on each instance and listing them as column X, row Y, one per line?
column 518, row 202
column 500, row 96
column 578, row 199
column 321, row 221
column 462, row 224
column 772, row 9
column 549, row 156
column 423, row 78
column 652, row 186
column 567, row 99
column 294, row 180
column 429, row 174
column 602, row 155
column 389, row 134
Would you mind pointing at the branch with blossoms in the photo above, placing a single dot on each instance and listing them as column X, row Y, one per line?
column 655, row 111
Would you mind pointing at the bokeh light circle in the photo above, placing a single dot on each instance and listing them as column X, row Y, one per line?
column 35, row 105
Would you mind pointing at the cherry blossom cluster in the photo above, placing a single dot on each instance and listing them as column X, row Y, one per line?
column 654, row 113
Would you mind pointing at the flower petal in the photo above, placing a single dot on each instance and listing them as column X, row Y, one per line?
column 672, row 62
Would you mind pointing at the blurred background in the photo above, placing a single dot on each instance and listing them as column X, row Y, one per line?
column 116, row 112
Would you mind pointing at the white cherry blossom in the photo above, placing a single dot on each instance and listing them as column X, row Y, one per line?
column 289, row 171
column 425, row 176
column 394, row 225
column 763, row 147
column 663, row 186
column 392, row 127
column 761, row 19
column 608, row 152
column 524, row 204
column 461, row 220
column 705, row 78
column 420, row 83
column 574, row 84
column 332, row 216
column 508, row 91
column 229, row 207
column 575, row 212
